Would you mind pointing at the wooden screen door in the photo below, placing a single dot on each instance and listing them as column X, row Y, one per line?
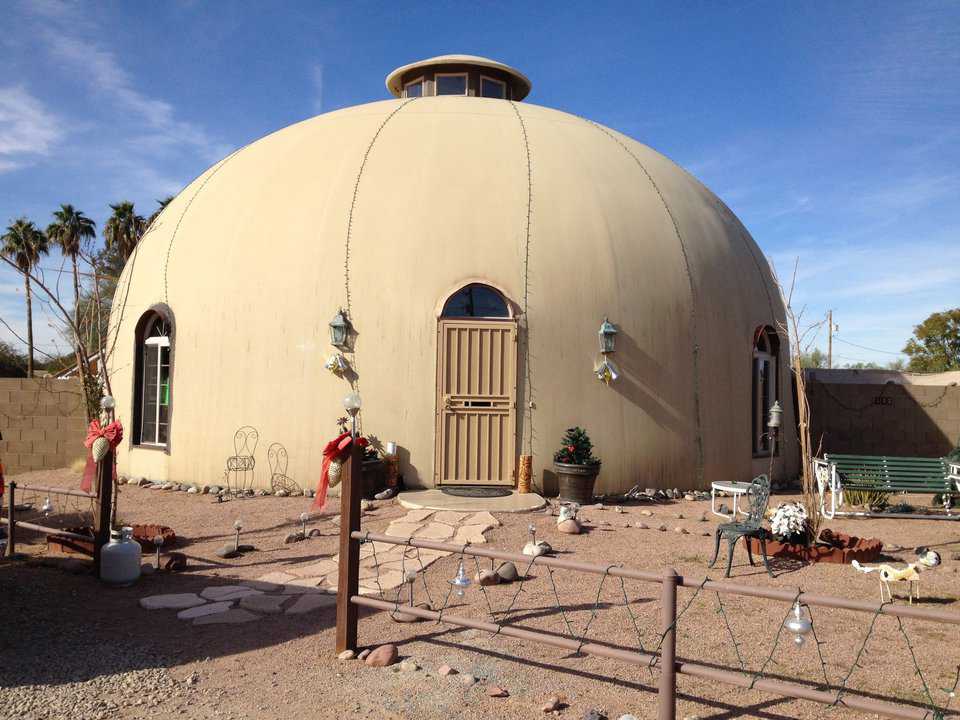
column 476, row 402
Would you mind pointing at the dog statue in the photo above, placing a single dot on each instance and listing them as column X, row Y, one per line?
column 889, row 574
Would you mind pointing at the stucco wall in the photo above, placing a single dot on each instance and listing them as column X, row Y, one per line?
column 43, row 423
column 884, row 418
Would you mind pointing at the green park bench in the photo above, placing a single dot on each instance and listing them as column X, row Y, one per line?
column 836, row 474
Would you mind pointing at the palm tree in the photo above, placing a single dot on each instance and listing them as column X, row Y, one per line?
column 156, row 213
column 70, row 230
column 124, row 229
column 24, row 243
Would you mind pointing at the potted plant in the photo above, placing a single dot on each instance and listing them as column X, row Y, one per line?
column 576, row 467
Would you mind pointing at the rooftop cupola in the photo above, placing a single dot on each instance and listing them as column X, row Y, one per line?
column 466, row 75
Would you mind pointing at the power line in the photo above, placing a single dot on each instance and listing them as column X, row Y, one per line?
column 864, row 347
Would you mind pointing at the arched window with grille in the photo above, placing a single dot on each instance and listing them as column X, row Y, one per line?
column 765, row 386
column 152, row 394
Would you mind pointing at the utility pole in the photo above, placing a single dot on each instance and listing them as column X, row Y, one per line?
column 829, row 339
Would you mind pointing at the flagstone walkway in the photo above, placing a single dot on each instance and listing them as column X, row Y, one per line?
column 309, row 587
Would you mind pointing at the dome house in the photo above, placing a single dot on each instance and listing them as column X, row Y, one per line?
column 467, row 247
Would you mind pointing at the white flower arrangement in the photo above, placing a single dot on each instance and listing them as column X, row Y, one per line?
column 789, row 521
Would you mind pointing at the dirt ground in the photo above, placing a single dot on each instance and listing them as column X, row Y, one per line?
column 70, row 647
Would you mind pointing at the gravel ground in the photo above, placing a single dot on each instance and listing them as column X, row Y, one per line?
column 72, row 648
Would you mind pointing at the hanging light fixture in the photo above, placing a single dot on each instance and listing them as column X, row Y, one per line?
column 340, row 330
column 799, row 623
column 47, row 507
column 461, row 582
column 776, row 413
column 608, row 337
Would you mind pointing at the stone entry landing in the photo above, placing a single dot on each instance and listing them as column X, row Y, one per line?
column 309, row 587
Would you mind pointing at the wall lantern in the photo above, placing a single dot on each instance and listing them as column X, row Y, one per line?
column 608, row 335
column 340, row 330
column 776, row 412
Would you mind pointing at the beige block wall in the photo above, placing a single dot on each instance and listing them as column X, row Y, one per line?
column 43, row 423
column 912, row 420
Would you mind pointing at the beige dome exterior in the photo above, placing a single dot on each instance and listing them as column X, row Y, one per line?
column 432, row 194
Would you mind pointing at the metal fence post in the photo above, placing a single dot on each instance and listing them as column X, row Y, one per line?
column 348, row 580
column 11, row 522
column 667, row 689
column 105, row 505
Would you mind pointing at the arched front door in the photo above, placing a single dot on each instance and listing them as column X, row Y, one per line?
column 476, row 389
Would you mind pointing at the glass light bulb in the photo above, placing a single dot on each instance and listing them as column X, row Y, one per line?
column 107, row 403
column 304, row 517
column 352, row 402
column 237, row 525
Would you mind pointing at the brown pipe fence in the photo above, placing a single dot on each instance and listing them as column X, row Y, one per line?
column 349, row 599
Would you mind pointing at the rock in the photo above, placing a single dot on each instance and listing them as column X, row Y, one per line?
column 468, row 680
column 281, row 493
column 409, row 665
column 263, row 493
column 618, row 509
column 628, row 716
column 594, row 714
column 227, row 552
column 294, row 537
column 532, row 549
column 246, row 548
column 681, row 531
column 646, row 513
column 679, row 516
column 495, row 691
column 270, row 604
column 224, row 492
column 314, row 532
column 723, row 509
column 363, row 654
column 228, row 592
column 297, row 493
column 641, row 525
column 551, row 705
column 508, row 572
column 147, row 569
column 366, row 506
column 706, row 533
column 192, row 490
column 346, row 655
column 570, row 527
column 174, row 601
column 310, row 493
column 402, row 617
column 487, row 578
column 689, row 496
column 382, row 656
column 205, row 490
column 446, row 670
column 214, row 489
column 662, row 528
column 201, row 610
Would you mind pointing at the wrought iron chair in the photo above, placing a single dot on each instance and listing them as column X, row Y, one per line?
column 279, row 480
column 240, row 466
column 751, row 527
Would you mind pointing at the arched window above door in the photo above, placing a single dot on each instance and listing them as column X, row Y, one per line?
column 476, row 300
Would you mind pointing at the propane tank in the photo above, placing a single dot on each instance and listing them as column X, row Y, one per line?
column 120, row 559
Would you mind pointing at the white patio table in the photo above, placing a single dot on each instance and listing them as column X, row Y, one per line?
column 736, row 490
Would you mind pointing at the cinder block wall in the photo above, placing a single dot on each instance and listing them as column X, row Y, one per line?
column 43, row 423
column 885, row 419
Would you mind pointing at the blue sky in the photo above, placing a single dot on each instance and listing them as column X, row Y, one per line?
column 831, row 128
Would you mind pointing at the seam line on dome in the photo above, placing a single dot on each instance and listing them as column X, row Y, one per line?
column 693, row 294
column 528, row 373
column 176, row 229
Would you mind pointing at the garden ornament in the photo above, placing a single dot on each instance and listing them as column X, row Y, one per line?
column 100, row 439
column 888, row 574
column 927, row 557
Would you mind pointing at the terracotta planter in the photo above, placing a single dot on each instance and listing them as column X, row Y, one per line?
column 143, row 534
column 831, row 548
column 575, row 482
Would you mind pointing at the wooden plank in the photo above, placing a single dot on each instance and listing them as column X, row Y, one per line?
column 348, row 582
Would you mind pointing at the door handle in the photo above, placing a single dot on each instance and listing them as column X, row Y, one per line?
column 448, row 403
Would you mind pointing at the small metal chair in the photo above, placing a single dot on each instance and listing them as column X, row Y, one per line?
column 751, row 527
column 279, row 480
column 238, row 475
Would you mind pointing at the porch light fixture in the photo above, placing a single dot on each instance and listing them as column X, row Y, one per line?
column 776, row 413
column 799, row 623
column 340, row 330
column 608, row 337
column 461, row 581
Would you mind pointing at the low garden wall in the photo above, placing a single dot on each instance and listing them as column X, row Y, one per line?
column 43, row 423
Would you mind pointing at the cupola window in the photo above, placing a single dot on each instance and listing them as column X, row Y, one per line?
column 414, row 88
column 453, row 84
column 490, row 88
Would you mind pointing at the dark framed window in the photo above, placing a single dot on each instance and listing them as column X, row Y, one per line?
column 153, row 374
column 413, row 89
column 451, row 84
column 490, row 88
column 764, row 387
column 476, row 301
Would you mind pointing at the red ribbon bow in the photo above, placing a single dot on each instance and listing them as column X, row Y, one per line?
column 336, row 449
column 113, row 432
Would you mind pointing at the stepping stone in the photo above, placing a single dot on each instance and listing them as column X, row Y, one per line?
column 317, row 569
column 482, row 518
column 449, row 517
column 469, row 534
column 417, row 516
column 401, row 529
column 227, row 592
column 435, row 531
column 271, row 604
column 427, row 557
column 230, row 617
column 388, row 581
column 311, row 602
column 270, row 581
column 303, row 586
column 201, row 610
column 176, row 601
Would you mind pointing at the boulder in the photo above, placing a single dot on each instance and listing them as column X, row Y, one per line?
column 569, row 527
column 508, row 572
column 551, row 705
column 487, row 578
column 382, row 656
column 495, row 691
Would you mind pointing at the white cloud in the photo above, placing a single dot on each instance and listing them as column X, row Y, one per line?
column 27, row 128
